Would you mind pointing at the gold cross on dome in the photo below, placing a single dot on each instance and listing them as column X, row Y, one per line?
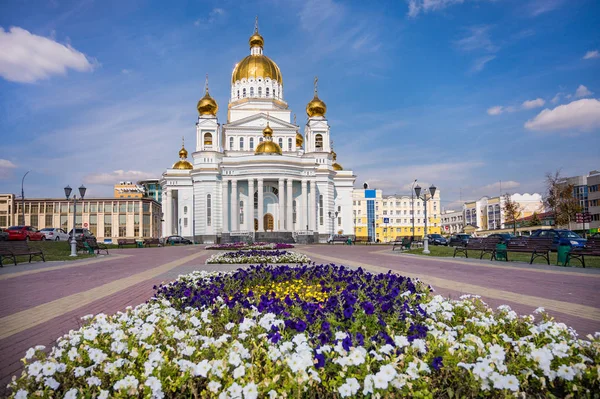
column 256, row 24
column 294, row 119
column 206, row 84
column 182, row 141
column 316, row 80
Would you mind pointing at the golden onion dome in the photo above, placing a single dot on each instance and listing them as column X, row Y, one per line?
column 336, row 166
column 207, row 105
column 268, row 146
column 256, row 40
column 316, row 107
column 267, row 131
column 255, row 66
column 183, row 153
column 299, row 139
column 183, row 163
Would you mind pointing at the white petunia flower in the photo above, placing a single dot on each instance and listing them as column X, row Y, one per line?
column 214, row 386
column 51, row 383
column 93, row 381
column 30, row 353
column 235, row 390
column 345, row 391
column 250, row 391
column 49, row 369
column 273, row 394
column 21, row 394
column 202, row 368
column 35, row 368
column 511, row 382
column 79, row 371
column 565, row 372
column 90, row 334
column 103, row 394
column 239, row 372
column 71, row 394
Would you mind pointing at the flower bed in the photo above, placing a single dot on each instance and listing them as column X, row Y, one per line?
column 247, row 246
column 312, row 332
column 258, row 256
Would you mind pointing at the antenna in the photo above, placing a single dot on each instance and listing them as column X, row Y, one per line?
column 316, row 81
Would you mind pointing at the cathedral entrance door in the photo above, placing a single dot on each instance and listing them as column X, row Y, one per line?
column 255, row 224
column 268, row 220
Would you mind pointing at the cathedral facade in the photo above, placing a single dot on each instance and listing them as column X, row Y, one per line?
column 257, row 176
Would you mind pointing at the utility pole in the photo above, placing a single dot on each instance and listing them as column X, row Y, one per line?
column 23, row 197
column 412, row 216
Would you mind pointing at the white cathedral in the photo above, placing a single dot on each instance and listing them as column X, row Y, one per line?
column 256, row 177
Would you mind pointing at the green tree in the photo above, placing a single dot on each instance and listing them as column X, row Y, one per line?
column 535, row 220
column 512, row 211
column 560, row 200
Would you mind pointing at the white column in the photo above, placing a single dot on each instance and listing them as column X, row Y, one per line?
column 250, row 206
column 225, row 201
column 167, row 211
column 312, row 207
column 290, row 204
column 304, row 209
column 281, row 215
column 235, row 206
column 260, row 215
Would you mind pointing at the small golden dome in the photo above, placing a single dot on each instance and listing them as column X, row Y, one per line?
column 256, row 40
column 267, row 131
column 316, row 107
column 268, row 147
column 183, row 163
column 183, row 153
column 207, row 105
column 299, row 139
column 336, row 166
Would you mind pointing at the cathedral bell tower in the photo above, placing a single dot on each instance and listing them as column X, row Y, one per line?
column 207, row 127
column 317, row 128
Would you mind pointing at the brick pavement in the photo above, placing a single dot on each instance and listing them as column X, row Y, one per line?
column 42, row 301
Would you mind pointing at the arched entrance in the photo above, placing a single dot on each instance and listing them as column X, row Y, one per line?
column 268, row 222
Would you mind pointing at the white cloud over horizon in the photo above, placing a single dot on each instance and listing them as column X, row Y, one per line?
column 415, row 7
column 27, row 58
column 592, row 54
column 582, row 91
column 6, row 168
column 578, row 115
column 538, row 102
column 111, row 178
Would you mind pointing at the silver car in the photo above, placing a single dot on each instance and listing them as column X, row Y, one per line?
column 54, row 234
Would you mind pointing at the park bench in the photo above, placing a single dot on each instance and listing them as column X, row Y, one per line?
column 592, row 248
column 12, row 249
column 94, row 245
column 537, row 247
column 126, row 241
column 151, row 241
column 364, row 240
column 481, row 245
column 403, row 243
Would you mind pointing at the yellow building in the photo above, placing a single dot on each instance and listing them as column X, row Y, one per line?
column 487, row 213
column 127, row 189
column 392, row 215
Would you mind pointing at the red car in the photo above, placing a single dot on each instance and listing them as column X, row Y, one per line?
column 24, row 233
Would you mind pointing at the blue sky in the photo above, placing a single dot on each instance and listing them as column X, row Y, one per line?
column 459, row 93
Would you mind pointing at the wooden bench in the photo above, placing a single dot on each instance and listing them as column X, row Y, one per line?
column 364, row 240
column 12, row 249
column 482, row 245
column 148, row 242
column 592, row 248
column 403, row 243
column 126, row 241
column 537, row 247
column 92, row 243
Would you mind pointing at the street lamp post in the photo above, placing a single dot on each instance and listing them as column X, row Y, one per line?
column 68, row 190
column 332, row 216
column 424, row 198
column 412, row 216
column 23, row 197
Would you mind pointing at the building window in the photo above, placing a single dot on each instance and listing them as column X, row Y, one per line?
column 231, row 143
column 185, row 209
column 267, row 92
column 290, row 144
column 294, row 214
column 244, row 92
column 93, row 224
column 238, row 94
column 107, row 225
column 251, row 143
column 241, row 212
column 280, row 142
column 122, row 226
column 319, row 142
column 241, row 143
column 339, row 221
column 185, row 222
column 208, row 210
column 252, row 92
column 321, row 210
column 48, row 221
column 136, row 225
column 260, row 91
column 33, row 220
column 207, row 139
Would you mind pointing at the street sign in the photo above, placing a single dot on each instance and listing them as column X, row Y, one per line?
column 386, row 220
column 85, row 225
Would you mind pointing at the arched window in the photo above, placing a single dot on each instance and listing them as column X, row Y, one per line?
column 267, row 92
column 241, row 212
column 207, row 139
column 241, row 143
column 251, row 91
column 280, row 142
column 260, row 139
column 244, row 92
column 290, row 144
column 319, row 142
column 294, row 214
column 231, row 143
column 260, row 91
column 208, row 210
column 185, row 210
column 238, row 94
column 251, row 143
column 321, row 210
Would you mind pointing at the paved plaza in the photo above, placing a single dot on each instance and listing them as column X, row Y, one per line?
column 41, row 301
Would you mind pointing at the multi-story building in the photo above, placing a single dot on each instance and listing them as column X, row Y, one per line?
column 106, row 218
column 151, row 189
column 383, row 218
column 585, row 189
column 127, row 189
column 487, row 213
column 593, row 182
column 452, row 222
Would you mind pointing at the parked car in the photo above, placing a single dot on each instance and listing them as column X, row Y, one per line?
column 172, row 240
column 437, row 239
column 561, row 237
column 81, row 234
column 24, row 233
column 3, row 235
column 595, row 235
column 459, row 240
column 503, row 237
column 54, row 234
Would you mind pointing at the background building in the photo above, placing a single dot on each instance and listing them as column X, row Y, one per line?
column 127, row 189
column 151, row 189
column 106, row 218
column 452, row 222
column 487, row 213
column 391, row 215
column 585, row 189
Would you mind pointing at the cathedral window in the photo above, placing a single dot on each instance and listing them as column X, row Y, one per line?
column 231, row 143
column 244, row 92
column 252, row 92
column 251, row 143
column 207, row 139
column 260, row 91
column 290, row 144
column 241, row 143
column 319, row 142
column 280, row 142
column 260, row 139
column 321, row 210
column 267, row 92
column 238, row 94
column 294, row 214
column 185, row 210
column 241, row 212
column 208, row 210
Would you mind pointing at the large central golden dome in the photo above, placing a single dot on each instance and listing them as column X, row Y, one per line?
column 256, row 65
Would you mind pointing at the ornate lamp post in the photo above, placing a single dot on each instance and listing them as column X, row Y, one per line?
column 68, row 190
column 23, row 198
column 332, row 216
column 424, row 198
column 412, row 204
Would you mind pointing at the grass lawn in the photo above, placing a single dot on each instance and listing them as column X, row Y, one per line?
column 53, row 250
column 591, row 261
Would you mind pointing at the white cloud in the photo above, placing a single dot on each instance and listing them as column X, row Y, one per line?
column 212, row 17
column 497, row 110
column 582, row 91
column 126, row 71
column 556, row 98
column 538, row 102
column 478, row 38
column 579, row 115
column 499, row 185
column 117, row 176
column 537, row 7
column 27, row 58
column 6, row 168
column 591, row 55
column 415, row 7
column 479, row 63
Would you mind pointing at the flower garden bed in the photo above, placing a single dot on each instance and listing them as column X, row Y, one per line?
column 258, row 256
column 247, row 246
column 312, row 332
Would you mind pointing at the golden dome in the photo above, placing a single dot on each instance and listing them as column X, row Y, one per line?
column 336, row 166
column 267, row 131
column 268, row 146
column 299, row 139
column 207, row 105
column 316, row 107
column 256, row 40
column 183, row 163
column 255, row 66
column 183, row 153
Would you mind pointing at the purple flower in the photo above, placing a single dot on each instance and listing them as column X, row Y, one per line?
column 348, row 312
column 275, row 337
column 368, row 307
column 325, row 326
column 300, row 326
column 437, row 363
column 347, row 343
column 320, row 358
